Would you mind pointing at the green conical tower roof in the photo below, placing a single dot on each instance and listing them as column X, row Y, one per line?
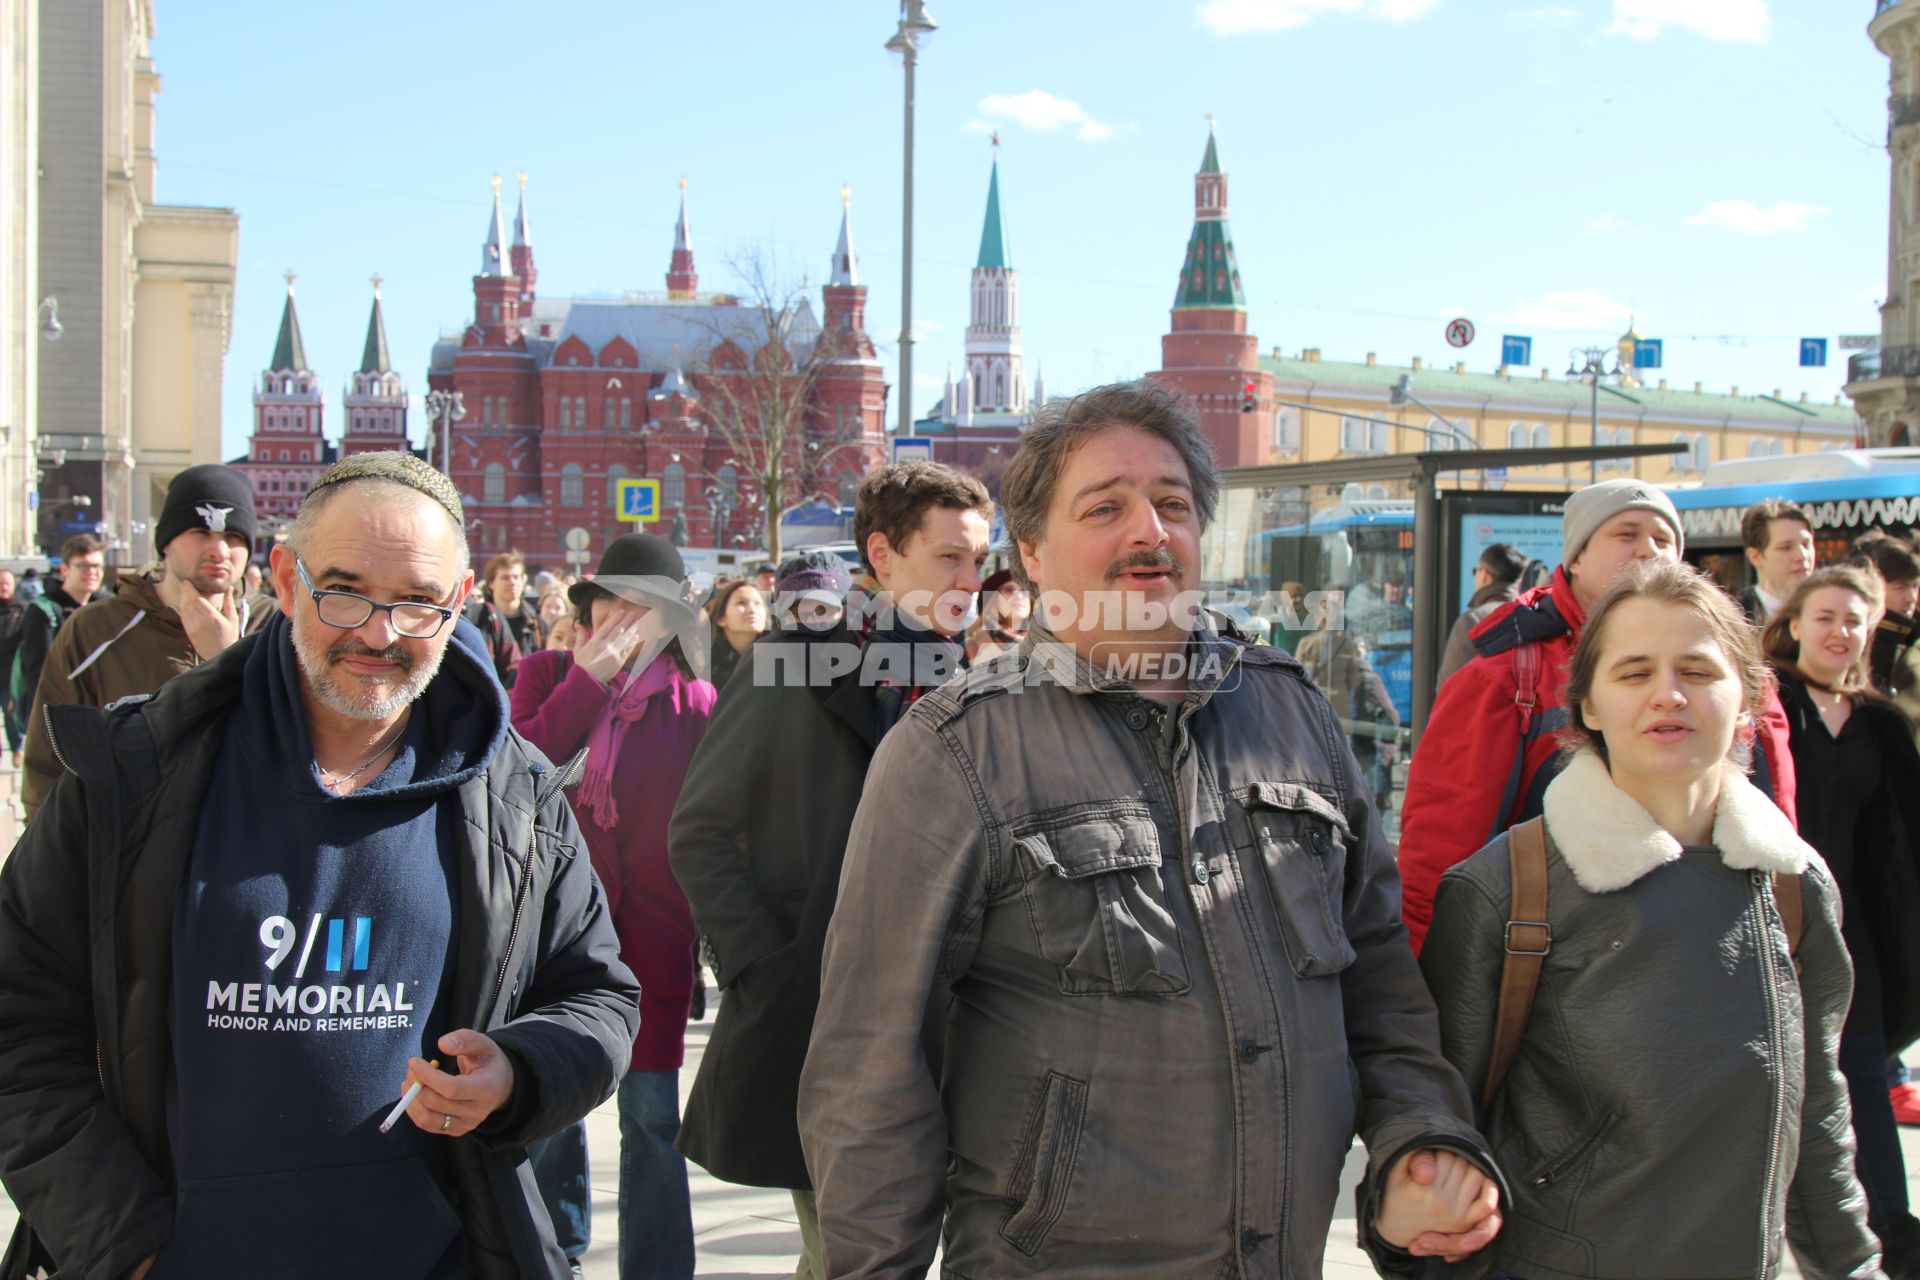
column 289, row 352
column 373, row 358
column 1211, row 276
column 993, row 236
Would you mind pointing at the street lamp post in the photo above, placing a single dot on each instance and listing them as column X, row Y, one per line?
column 442, row 408
column 915, row 25
column 1402, row 393
column 1590, row 363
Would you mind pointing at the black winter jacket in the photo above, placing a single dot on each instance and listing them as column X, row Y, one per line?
column 757, row 842
column 86, row 918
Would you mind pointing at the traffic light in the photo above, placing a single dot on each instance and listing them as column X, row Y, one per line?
column 1246, row 398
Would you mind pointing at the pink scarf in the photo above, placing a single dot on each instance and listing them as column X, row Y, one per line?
column 627, row 703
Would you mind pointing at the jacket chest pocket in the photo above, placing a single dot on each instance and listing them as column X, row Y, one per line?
column 1300, row 839
column 1094, row 898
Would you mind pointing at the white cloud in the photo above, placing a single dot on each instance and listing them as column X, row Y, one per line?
column 929, row 382
column 1610, row 224
column 1246, row 17
column 1545, row 16
column 1041, row 111
column 1571, row 309
column 1750, row 219
column 1451, row 310
column 1734, row 21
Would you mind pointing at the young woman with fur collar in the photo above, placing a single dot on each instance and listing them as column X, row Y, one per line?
column 1861, row 809
column 1675, row 1109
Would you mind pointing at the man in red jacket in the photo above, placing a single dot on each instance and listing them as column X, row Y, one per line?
column 1491, row 744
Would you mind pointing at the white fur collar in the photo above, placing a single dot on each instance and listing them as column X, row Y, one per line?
column 1609, row 840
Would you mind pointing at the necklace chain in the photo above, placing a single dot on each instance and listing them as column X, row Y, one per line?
column 342, row 779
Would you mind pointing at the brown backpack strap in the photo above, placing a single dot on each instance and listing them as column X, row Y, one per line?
column 1786, row 900
column 1528, row 939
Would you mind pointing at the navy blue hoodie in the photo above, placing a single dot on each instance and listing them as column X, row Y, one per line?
column 312, row 956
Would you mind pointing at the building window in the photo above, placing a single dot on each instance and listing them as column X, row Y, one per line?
column 626, row 414
column 1286, row 430
column 580, row 413
column 284, row 456
column 496, row 483
column 1683, row 462
column 1353, row 435
column 727, row 481
column 673, row 486
column 849, row 488
column 1517, row 435
column 1702, row 452
column 566, row 413
column 1542, row 436
column 615, row 474
column 572, row 485
column 1377, row 440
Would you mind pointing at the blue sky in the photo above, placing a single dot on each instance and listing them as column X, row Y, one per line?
column 1540, row 166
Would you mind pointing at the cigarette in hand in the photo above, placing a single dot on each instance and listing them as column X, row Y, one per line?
column 406, row 1100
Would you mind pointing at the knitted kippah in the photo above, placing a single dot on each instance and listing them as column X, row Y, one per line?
column 401, row 468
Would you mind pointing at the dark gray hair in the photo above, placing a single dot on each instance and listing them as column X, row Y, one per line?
column 1026, row 491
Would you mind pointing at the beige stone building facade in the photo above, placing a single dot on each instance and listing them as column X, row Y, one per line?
column 22, row 319
column 130, row 394
column 1332, row 409
column 1885, row 384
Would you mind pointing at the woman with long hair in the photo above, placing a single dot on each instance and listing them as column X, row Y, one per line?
column 1859, row 804
column 739, row 615
column 1673, row 1086
column 628, row 695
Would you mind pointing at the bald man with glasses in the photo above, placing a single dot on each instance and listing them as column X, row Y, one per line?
column 267, row 900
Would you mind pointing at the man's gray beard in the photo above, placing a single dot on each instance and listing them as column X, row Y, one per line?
column 315, row 668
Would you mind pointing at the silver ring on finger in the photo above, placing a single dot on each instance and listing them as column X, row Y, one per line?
column 446, row 1122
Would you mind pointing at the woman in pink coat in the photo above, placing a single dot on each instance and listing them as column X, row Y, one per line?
column 629, row 696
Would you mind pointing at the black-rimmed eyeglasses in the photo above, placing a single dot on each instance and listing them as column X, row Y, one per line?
column 348, row 610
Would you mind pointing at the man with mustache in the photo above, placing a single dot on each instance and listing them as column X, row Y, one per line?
column 266, row 900
column 1141, row 858
column 162, row 620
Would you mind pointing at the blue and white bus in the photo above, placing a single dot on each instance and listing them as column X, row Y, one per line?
column 1845, row 492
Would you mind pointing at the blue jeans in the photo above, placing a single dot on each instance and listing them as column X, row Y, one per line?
column 560, row 1170
column 1882, row 1169
column 656, row 1210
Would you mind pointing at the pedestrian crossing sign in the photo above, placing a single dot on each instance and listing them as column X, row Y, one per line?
column 639, row 500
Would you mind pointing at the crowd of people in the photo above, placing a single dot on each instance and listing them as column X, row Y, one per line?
column 348, row 893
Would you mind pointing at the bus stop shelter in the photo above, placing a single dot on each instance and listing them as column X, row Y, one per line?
column 1421, row 473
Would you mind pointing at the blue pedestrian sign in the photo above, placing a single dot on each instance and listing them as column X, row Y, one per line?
column 639, row 500
column 1647, row 353
column 1813, row 353
column 1516, row 351
column 913, row 449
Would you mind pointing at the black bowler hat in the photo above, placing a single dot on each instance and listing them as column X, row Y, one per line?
column 637, row 565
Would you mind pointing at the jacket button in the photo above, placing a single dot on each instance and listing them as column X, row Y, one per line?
column 1200, row 873
column 1250, row 1241
column 1319, row 841
column 1249, row 1050
column 1137, row 719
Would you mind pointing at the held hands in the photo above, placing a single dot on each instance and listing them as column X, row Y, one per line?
column 456, row 1105
column 1438, row 1203
column 612, row 646
column 211, row 624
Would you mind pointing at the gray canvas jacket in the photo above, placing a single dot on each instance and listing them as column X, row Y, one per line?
column 1676, row 1108
column 1179, row 979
